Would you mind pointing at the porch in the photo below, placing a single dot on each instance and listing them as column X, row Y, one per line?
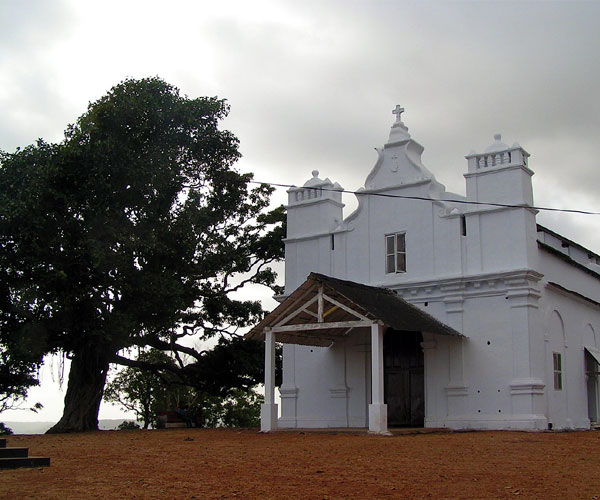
column 325, row 310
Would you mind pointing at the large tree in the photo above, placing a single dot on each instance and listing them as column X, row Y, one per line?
column 133, row 231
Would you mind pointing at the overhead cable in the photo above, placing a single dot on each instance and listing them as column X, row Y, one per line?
column 425, row 198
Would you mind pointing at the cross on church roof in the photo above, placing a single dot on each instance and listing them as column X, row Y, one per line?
column 398, row 110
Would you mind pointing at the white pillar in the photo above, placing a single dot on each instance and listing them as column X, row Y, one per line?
column 268, row 410
column 377, row 409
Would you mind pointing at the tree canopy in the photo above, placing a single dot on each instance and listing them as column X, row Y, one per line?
column 132, row 231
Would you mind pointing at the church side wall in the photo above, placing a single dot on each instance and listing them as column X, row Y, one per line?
column 570, row 324
column 482, row 381
column 490, row 365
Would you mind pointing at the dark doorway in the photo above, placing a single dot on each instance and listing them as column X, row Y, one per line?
column 404, row 381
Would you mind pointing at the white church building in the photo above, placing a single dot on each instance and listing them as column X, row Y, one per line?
column 428, row 308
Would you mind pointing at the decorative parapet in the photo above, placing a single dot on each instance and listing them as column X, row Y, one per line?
column 306, row 194
column 315, row 190
column 498, row 155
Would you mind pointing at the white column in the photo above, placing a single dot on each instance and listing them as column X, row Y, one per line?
column 268, row 410
column 377, row 409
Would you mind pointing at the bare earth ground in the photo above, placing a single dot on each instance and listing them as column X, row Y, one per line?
column 214, row 464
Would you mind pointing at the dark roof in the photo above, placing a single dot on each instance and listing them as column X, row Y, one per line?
column 375, row 303
column 385, row 304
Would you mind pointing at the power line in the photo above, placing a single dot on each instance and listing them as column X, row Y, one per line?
column 424, row 198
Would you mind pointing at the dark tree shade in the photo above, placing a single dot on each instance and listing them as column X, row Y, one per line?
column 133, row 231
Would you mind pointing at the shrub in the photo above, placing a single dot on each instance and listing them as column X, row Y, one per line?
column 5, row 431
column 128, row 425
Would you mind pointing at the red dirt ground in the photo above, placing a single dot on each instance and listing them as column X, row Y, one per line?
column 242, row 464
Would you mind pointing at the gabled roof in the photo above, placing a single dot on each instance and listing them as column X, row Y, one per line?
column 324, row 309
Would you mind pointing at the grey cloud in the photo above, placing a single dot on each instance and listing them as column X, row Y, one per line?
column 318, row 92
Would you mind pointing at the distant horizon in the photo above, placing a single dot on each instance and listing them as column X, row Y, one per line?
column 40, row 427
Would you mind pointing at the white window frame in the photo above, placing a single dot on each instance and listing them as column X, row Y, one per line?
column 557, row 370
column 395, row 254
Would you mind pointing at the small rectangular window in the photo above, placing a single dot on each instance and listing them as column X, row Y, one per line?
column 557, row 364
column 463, row 225
column 395, row 253
column 333, row 241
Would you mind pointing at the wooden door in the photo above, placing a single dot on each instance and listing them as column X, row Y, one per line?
column 404, row 382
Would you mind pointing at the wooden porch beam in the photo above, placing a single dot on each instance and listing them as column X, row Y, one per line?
column 298, row 311
column 321, row 326
column 346, row 308
column 320, row 304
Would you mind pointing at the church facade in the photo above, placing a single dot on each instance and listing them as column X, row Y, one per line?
column 428, row 308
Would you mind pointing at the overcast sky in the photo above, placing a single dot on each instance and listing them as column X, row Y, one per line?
column 312, row 84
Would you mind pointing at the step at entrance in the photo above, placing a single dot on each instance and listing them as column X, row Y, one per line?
column 13, row 452
column 14, row 458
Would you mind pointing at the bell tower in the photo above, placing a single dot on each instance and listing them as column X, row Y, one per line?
column 314, row 208
column 500, row 175
column 502, row 235
column 314, row 211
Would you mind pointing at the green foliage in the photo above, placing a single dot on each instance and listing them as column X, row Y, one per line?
column 133, row 231
column 5, row 431
column 17, row 375
column 232, row 363
column 241, row 409
column 128, row 425
column 145, row 392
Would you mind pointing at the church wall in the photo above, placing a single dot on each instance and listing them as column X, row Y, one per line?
column 306, row 255
column 569, row 325
column 311, row 405
column 568, row 276
column 488, row 358
column 339, row 258
column 514, row 189
column 330, row 387
column 401, row 216
column 436, row 357
column 504, row 237
column 358, row 365
column 449, row 246
column 356, row 248
column 433, row 244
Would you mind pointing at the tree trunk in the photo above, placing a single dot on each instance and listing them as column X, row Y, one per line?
column 87, row 377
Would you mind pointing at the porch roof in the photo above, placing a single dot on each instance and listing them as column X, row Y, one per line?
column 325, row 309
